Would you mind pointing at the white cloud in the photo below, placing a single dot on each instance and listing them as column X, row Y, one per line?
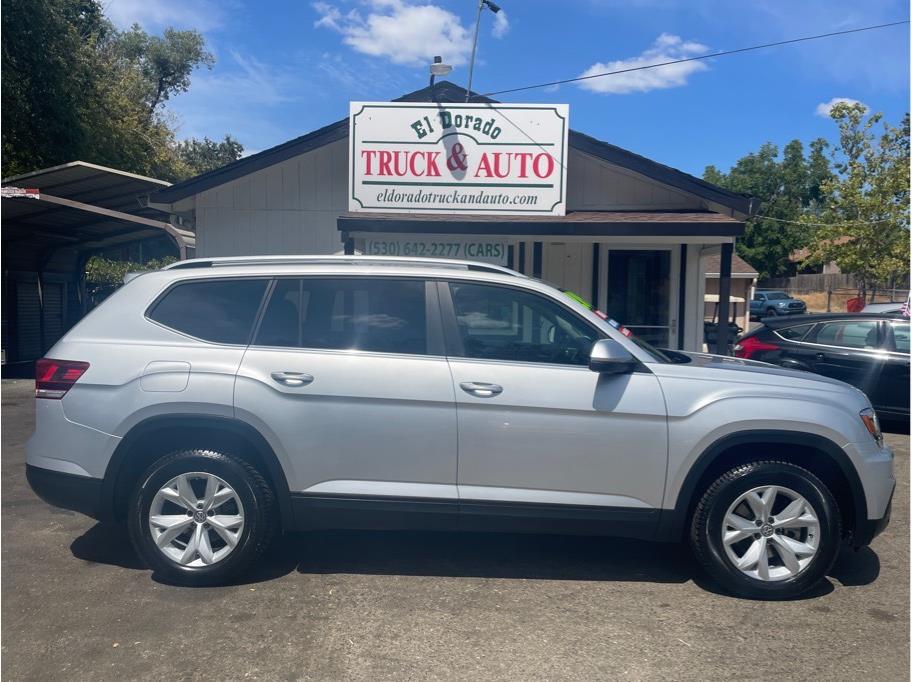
column 501, row 25
column 154, row 15
column 402, row 32
column 824, row 108
column 666, row 48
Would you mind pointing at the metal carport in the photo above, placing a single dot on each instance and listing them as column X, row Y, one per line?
column 61, row 216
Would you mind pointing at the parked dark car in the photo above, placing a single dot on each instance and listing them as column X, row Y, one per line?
column 868, row 351
column 768, row 303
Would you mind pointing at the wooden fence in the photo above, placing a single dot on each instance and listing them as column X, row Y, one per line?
column 823, row 283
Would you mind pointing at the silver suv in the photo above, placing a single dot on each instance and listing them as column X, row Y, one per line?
column 217, row 402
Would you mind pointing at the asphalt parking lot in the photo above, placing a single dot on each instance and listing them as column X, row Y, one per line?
column 368, row 606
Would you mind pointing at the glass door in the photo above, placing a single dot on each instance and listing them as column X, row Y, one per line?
column 639, row 293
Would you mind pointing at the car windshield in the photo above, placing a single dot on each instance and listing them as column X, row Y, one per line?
column 776, row 296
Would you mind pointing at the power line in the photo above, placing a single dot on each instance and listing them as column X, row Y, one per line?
column 694, row 59
column 799, row 222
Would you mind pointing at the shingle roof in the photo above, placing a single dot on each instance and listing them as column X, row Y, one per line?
column 579, row 223
column 445, row 91
column 739, row 265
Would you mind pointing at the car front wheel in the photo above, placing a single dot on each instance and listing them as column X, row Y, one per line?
column 199, row 517
column 767, row 530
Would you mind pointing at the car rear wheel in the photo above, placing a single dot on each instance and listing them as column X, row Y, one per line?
column 766, row 530
column 199, row 517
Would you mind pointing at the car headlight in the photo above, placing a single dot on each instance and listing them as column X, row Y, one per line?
column 872, row 424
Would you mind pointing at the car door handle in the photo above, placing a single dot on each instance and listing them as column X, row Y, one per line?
column 480, row 389
column 819, row 356
column 292, row 379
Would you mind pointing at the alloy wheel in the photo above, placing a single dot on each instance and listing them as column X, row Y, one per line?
column 196, row 519
column 771, row 533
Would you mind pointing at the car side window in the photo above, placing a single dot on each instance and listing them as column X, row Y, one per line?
column 503, row 323
column 222, row 311
column 795, row 333
column 357, row 313
column 849, row 334
column 758, row 297
column 900, row 336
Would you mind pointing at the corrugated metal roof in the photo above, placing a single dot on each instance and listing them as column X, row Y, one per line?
column 31, row 229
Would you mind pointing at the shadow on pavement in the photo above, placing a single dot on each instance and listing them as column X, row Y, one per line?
column 481, row 555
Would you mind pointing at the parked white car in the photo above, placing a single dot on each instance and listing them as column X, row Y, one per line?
column 217, row 402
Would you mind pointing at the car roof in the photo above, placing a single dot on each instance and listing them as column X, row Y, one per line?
column 795, row 320
column 347, row 262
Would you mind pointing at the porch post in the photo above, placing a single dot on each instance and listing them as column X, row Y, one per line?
column 725, row 273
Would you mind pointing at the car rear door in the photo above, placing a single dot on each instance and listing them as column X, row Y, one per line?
column 894, row 394
column 537, row 429
column 347, row 377
column 850, row 350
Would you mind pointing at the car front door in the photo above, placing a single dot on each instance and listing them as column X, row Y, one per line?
column 347, row 377
column 537, row 429
column 851, row 351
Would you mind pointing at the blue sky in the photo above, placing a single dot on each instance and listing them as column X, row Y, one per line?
column 287, row 67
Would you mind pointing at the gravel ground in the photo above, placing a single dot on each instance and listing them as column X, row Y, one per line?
column 372, row 606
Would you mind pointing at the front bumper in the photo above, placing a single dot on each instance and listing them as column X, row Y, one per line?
column 869, row 529
column 67, row 491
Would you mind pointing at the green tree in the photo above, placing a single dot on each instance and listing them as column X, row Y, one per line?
column 74, row 87
column 201, row 156
column 785, row 188
column 165, row 63
column 862, row 222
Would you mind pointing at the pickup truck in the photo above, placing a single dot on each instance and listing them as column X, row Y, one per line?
column 769, row 303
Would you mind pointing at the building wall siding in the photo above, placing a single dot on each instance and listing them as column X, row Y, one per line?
column 292, row 207
column 284, row 209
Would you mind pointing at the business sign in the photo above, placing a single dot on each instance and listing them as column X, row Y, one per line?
column 462, row 247
column 458, row 158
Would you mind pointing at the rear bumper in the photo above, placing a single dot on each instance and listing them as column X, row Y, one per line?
column 67, row 491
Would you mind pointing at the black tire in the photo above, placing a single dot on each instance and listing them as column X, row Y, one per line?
column 708, row 518
column 254, row 493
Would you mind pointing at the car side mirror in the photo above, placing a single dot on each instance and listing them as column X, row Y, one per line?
column 610, row 357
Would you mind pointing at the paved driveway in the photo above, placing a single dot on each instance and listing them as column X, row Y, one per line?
column 370, row 606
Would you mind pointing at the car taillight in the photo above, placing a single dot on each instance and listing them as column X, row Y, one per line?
column 53, row 378
column 747, row 348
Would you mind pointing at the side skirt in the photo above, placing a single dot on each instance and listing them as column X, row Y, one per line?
column 313, row 512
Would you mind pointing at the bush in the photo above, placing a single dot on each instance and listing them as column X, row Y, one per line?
column 104, row 275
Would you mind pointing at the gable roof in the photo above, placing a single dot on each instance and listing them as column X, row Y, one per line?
column 445, row 91
column 713, row 263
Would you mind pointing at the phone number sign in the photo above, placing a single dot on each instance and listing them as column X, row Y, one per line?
column 458, row 158
column 492, row 251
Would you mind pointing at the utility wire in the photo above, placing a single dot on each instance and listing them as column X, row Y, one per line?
column 698, row 58
column 798, row 222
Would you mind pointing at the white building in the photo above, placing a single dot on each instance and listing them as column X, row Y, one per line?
column 632, row 241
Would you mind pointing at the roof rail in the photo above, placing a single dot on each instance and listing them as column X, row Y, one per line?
column 340, row 260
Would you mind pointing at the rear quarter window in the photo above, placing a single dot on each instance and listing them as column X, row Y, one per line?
column 221, row 311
